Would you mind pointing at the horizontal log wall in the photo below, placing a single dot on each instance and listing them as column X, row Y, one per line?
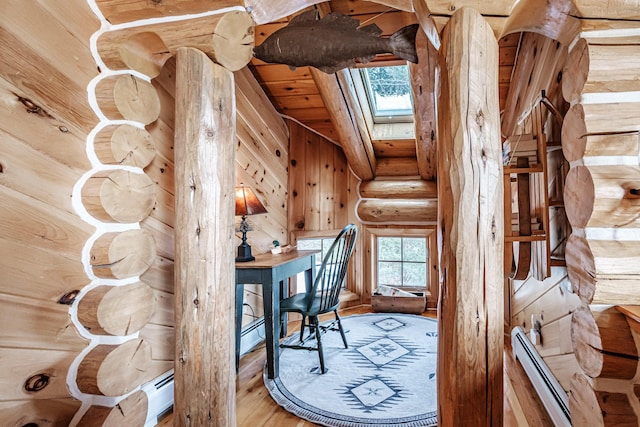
column 600, row 138
column 45, row 118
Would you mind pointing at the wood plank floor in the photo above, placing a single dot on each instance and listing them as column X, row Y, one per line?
column 255, row 408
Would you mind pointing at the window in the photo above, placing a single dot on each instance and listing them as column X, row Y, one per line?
column 402, row 261
column 383, row 95
column 318, row 244
column 389, row 93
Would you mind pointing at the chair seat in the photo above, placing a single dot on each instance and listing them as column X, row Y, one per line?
column 298, row 304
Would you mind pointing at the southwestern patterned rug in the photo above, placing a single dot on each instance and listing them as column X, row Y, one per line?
column 387, row 376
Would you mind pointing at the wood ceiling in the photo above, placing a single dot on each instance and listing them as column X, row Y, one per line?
column 295, row 94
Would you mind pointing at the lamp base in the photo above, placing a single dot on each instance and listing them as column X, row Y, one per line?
column 244, row 253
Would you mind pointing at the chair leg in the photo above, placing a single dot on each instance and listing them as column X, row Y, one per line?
column 302, row 328
column 316, row 324
column 344, row 338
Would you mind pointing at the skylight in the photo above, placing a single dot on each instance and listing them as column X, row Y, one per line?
column 389, row 93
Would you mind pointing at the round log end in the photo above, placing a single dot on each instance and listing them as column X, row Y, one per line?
column 145, row 52
column 587, row 345
column 576, row 70
column 127, row 196
column 128, row 145
column 131, row 411
column 579, row 196
column 117, row 310
column 114, row 370
column 581, row 267
column 123, row 255
column 574, row 133
column 591, row 407
column 136, row 99
column 233, row 40
column 583, row 403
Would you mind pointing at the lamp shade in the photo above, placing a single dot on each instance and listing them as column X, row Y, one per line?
column 247, row 203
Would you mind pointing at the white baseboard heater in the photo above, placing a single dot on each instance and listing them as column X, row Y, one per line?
column 160, row 398
column 553, row 396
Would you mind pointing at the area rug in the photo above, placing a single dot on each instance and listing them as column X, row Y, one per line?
column 387, row 376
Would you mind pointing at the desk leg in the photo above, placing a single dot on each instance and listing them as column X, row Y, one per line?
column 271, row 298
column 239, row 302
column 283, row 318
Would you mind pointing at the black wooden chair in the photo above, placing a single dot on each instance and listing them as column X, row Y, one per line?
column 323, row 297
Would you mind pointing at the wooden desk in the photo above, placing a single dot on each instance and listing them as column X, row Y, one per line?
column 272, row 272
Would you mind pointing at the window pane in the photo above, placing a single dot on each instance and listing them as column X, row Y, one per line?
column 389, row 249
column 326, row 245
column 414, row 249
column 414, row 274
column 309, row 244
column 390, row 90
column 389, row 273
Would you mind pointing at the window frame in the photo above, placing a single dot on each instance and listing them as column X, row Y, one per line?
column 403, row 262
column 377, row 131
column 393, row 117
column 371, row 261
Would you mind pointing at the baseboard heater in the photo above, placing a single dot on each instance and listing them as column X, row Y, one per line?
column 551, row 393
column 159, row 397
column 160, row 391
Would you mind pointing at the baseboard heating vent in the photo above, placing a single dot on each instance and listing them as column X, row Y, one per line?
column 160, row 397
column 553, row 396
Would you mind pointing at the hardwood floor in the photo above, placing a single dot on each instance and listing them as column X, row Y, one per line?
column 255, row 408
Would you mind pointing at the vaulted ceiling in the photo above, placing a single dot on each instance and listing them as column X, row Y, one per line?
column 294, row 93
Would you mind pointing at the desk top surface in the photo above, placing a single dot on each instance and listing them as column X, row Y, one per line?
column 269, row 260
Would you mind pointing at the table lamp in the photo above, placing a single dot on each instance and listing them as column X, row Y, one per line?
column 246, row 204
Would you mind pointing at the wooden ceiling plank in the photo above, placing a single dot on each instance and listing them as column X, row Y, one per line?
column 291, row 87
column 279, row 72
column 263, row 12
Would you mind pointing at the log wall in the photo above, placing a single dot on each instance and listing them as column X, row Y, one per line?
column 322, row 194
column 544, row 298
column 600, row 138
column 87, row 190
column 45, row 119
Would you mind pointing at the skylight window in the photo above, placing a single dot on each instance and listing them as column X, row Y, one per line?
column 389, row 93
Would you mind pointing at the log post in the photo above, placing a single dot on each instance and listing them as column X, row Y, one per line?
column 204, row 237
column 471, row 226
column 423, row 85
